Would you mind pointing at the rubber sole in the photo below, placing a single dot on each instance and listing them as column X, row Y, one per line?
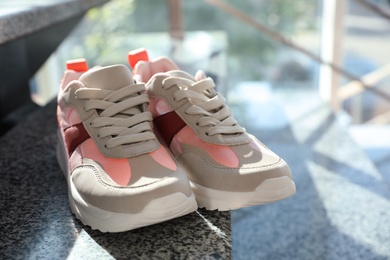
column 268, row 191
column 158, row 210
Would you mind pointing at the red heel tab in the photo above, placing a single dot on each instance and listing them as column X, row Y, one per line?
column 79, row 65
column 137, row 55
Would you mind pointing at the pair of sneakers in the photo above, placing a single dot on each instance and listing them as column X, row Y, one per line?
column 136, row 154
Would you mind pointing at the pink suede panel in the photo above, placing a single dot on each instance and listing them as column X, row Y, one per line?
column 118, row 169
column 222, row 154
column 176, row 146
column 162, row 107
column 73, row 117
column 158, row 107
column 63, row 116
column 67, row 116
column 162, row 157
column 152, row 106
column 75, row 159
column 74, row 136
column 69, row 76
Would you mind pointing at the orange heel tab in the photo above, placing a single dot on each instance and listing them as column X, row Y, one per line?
column 137, row 55
column 79, row 65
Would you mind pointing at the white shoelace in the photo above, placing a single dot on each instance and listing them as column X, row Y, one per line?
column 208, row 103
column 122, row 114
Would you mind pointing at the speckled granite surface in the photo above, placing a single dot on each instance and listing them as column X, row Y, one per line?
column 36, row 222
column 342, row 206
column 21, row 17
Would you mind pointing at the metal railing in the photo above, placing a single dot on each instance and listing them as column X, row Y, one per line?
column 339, row 94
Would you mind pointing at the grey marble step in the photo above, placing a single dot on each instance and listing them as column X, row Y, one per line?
column 21, row 17
column 30, row 30
column 36, row 222
column 342, row 206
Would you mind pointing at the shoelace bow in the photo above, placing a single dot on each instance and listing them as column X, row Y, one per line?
column 208, row 103
column 122, row 114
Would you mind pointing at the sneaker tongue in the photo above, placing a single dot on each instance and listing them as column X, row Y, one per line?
column 110, row 78
column 200, row 75
column 181, row 74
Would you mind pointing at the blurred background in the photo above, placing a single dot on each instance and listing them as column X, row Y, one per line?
column 248, row 64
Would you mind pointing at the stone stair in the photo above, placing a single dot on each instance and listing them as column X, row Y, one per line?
column 342, row 206
column 36, row 222
column 30, row 30
column 35, row 219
